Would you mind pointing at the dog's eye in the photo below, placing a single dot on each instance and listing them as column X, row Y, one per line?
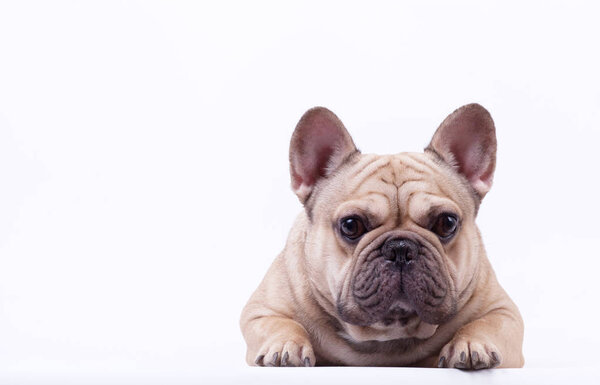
column 445, row 225
column 352, row 227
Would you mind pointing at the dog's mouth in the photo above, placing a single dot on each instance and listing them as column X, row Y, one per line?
column 399, row 321
column 398, row 315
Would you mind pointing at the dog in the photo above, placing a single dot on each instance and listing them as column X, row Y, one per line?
column 385, row 266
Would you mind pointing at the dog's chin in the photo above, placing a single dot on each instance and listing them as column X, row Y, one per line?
column 411, row 327
column 397, row 323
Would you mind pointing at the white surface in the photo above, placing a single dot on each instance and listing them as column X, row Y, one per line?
column 319, row 375
column 334, row 375
column 144, row 181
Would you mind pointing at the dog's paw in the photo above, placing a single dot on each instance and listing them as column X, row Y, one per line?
column 468, row 353
column 286, row 353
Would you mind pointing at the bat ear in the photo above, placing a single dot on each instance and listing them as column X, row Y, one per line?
column 466, row 140
column 319, row 145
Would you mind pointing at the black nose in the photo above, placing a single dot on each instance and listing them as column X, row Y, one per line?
column 400, row 250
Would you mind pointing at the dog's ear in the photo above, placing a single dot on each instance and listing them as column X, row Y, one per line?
column 319, row 145
column 466, row 140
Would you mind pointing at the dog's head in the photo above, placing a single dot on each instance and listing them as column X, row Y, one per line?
column 392, row 242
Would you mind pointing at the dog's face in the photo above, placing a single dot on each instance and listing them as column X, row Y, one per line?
column 392, row 241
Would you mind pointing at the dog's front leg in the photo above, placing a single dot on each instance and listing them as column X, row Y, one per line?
column 275, row 340
column 494, row 340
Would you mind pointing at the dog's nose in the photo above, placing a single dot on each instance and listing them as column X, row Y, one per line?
column 400, row 250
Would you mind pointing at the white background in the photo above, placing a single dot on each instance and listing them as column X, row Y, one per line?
column 144, row 184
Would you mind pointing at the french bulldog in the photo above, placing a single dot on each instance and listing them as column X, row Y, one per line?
column 385, row 266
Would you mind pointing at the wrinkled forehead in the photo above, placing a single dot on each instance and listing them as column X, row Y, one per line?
column 404, row 184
